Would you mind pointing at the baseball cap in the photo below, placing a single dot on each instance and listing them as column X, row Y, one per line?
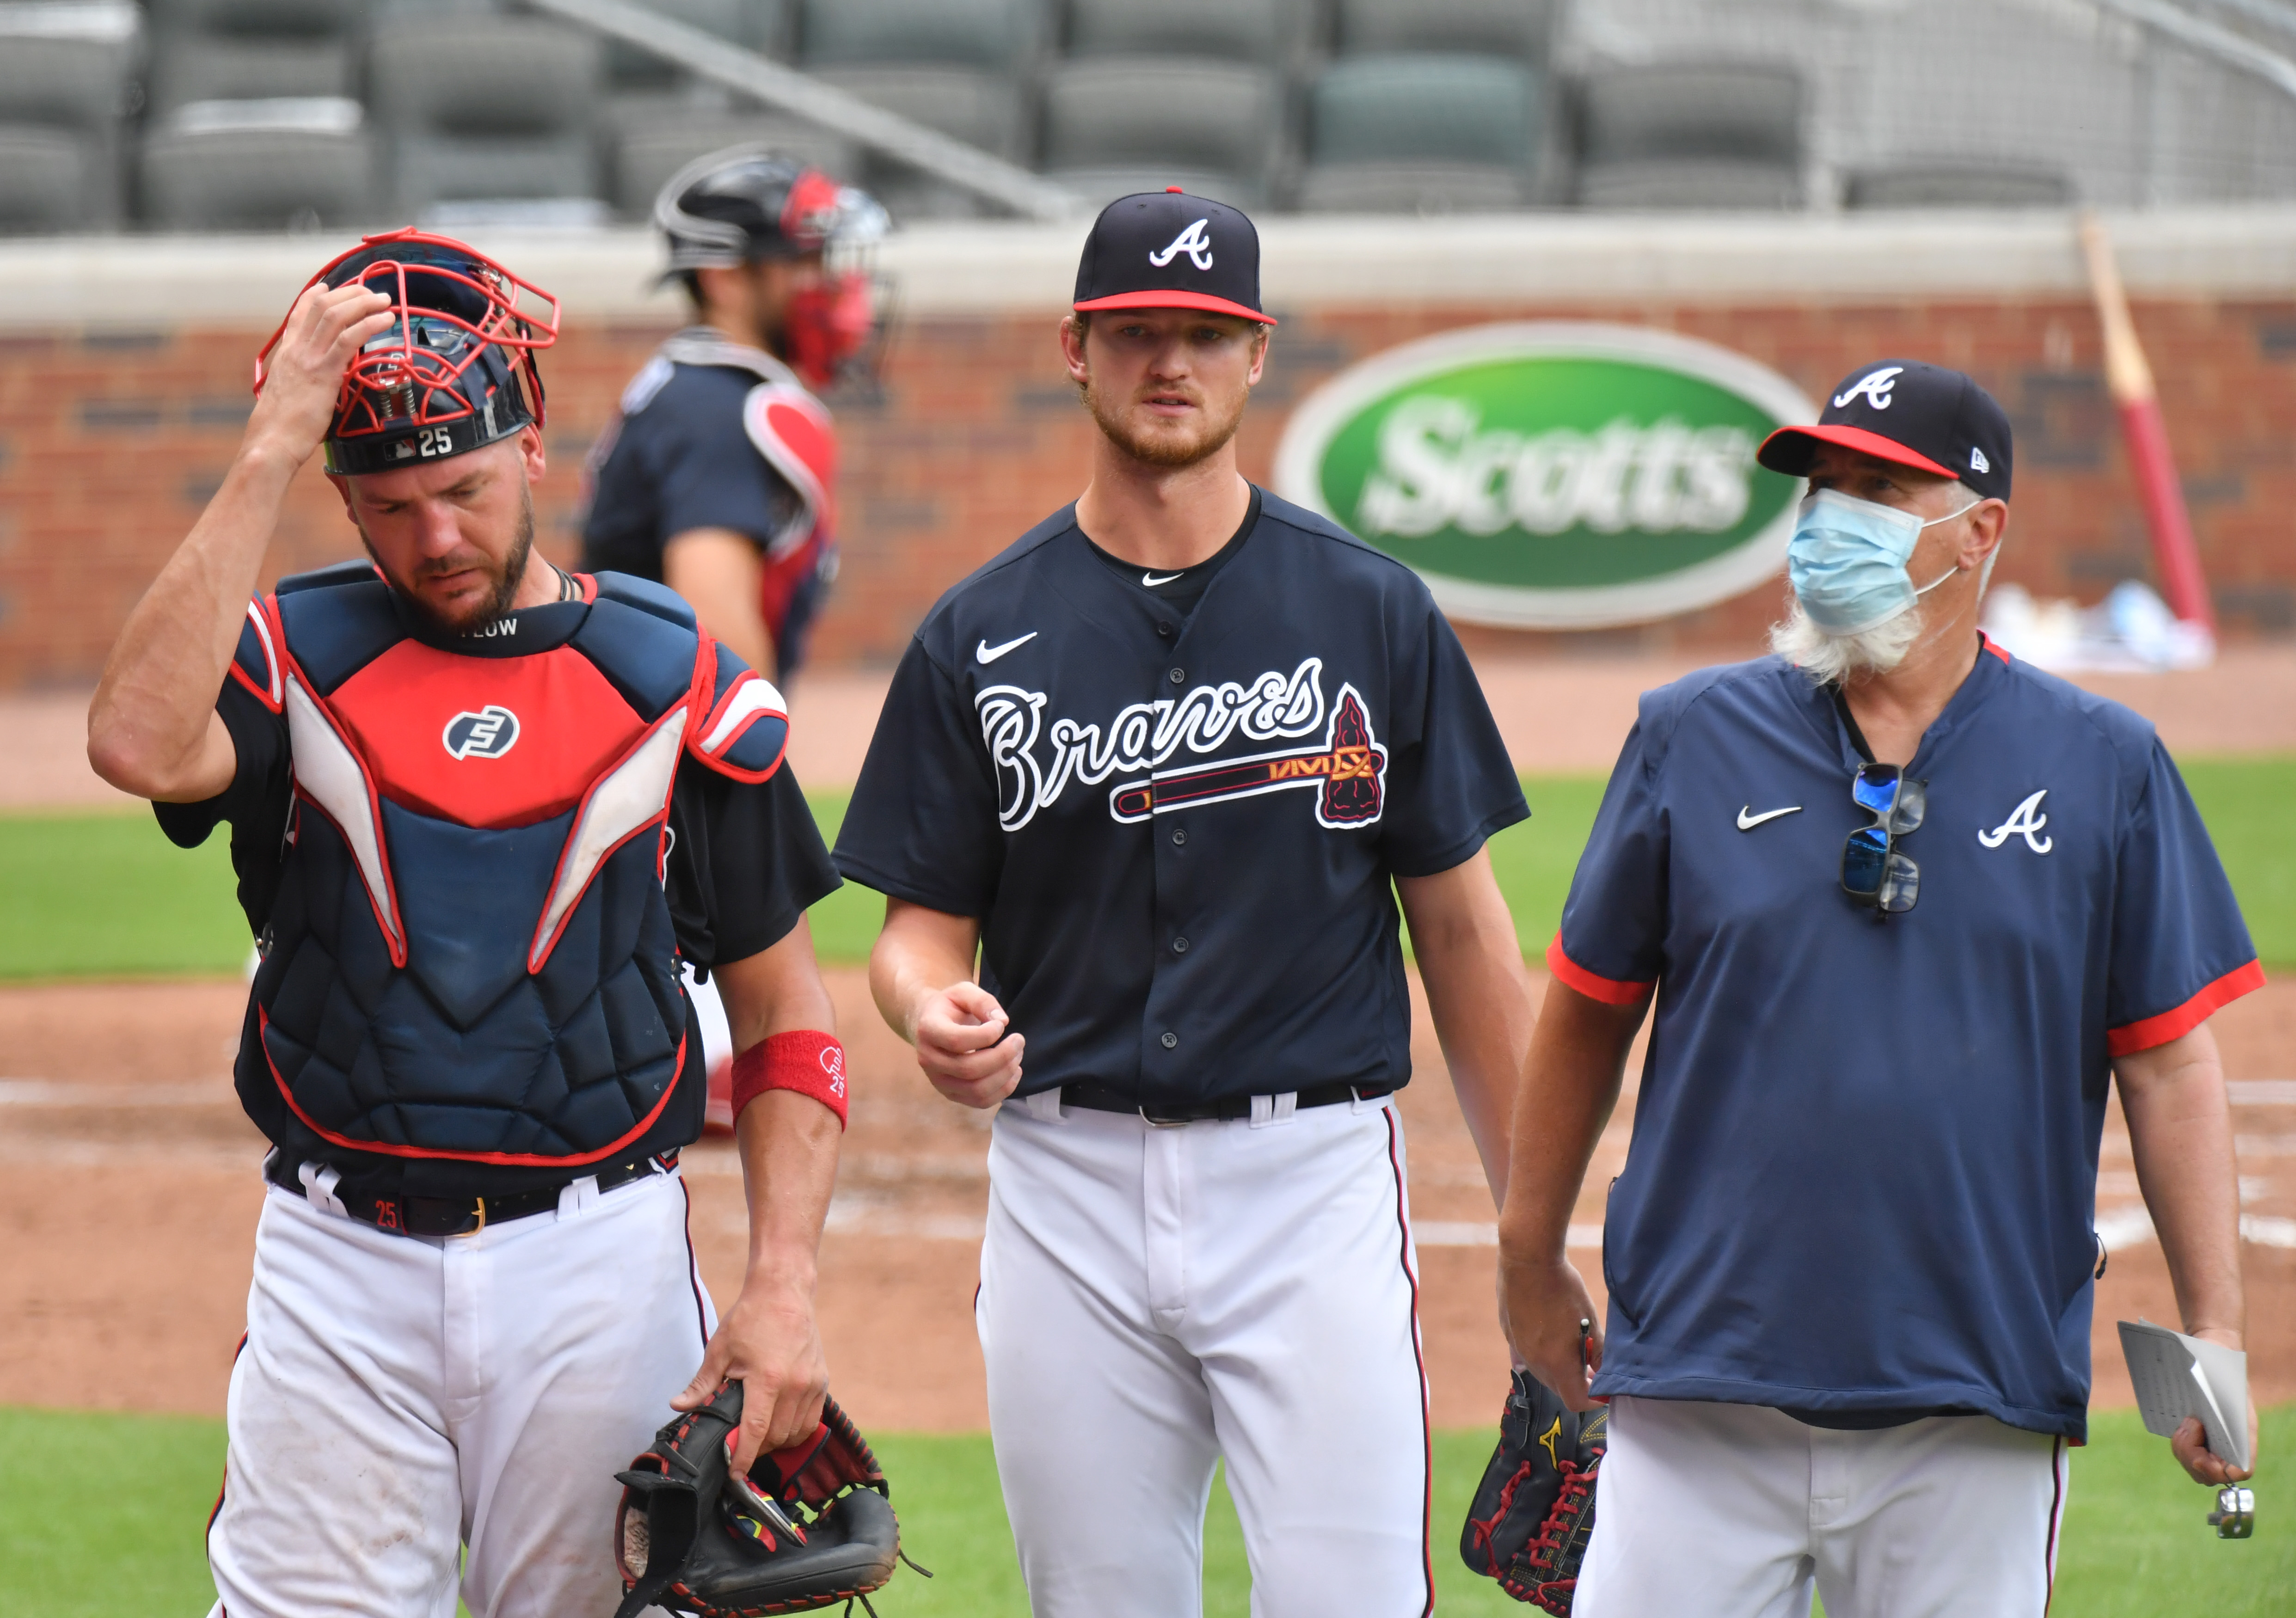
column 1165, row 250
column 1917, row 415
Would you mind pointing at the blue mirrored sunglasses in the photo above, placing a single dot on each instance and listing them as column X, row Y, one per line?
column 1872, row 871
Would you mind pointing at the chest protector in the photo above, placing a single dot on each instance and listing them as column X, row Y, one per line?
column 471, row 952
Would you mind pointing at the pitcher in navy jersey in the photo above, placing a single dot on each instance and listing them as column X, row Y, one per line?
column 1158, row 774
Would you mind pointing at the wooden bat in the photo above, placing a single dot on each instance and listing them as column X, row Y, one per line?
column 2129, row 380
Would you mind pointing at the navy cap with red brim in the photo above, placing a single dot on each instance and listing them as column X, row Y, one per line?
column 1176, row 300
column 1791, row 449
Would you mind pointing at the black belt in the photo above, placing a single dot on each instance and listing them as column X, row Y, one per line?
column 1108, row 1099
column 458, row 1215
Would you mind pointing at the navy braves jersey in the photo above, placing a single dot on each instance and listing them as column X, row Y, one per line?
column 682, row 457
column 1178, row 829
column 1863, row 1173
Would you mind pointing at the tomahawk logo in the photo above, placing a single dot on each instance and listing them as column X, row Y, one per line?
column 1877, row 386
column 2025, row 822
column 489, row 733
column 1191, row 241
column 1347, row 772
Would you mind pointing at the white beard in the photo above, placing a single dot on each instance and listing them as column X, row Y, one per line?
column 1828, row 659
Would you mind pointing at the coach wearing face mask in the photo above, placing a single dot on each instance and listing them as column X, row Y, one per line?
column 1905, row 908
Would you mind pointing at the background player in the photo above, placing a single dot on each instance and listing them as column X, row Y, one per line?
column 1162, row 768
column 480, row 808
column 718, row 477
column 1851, row 1254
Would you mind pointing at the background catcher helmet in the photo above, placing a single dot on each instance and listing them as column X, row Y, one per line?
column 733, row 207
column 453, row 372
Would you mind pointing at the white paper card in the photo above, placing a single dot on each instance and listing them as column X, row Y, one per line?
column 2178, row 1375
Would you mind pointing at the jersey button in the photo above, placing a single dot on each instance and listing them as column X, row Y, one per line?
column 1179, row 946
column 1169, row 1040
column 1180, row 839
column 1165, row 630
column 1179, row 676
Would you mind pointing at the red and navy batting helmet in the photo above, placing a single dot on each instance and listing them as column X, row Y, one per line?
column 453, row 372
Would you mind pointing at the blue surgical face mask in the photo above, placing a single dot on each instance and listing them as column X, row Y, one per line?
column 1847, row 560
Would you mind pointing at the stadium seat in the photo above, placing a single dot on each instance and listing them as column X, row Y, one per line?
column 246, row 50
column 999, row 34
column 272, row 164
column 44, row 181
column 64, row 69
column 1422, row 133
column 980, row 108
column 650, row 150
column 487, row 109
column 1235, row 30
column 1522, row 29
column 1143, row 123
column 755, row 24
column 1944, row 182
column 1691, row 136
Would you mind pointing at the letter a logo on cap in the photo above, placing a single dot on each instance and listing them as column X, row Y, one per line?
column 1875, row 384
column 1191, row 241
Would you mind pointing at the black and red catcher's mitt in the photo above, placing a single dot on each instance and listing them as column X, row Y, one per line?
column 806, row 1527
column 1534, row 1511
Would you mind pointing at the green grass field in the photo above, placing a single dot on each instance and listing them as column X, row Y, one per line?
column 100, row 1517
column 105, row 895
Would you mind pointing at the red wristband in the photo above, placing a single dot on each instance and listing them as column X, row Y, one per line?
column 811, row 1062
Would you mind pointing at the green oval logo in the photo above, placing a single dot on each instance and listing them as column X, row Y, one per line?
column 1559, row 475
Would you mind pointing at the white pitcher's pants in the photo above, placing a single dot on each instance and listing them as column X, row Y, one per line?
column 1154, row 1299
column 399, row 1397
column 1736, row 1510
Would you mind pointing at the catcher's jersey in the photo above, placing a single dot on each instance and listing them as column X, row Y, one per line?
column 1862, row 1180
column 1178, row 820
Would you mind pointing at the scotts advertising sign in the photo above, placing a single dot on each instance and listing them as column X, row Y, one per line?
column 1555, row 476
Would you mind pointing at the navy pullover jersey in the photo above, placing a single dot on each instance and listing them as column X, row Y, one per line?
column 1862, row 1175
column 1178, row 829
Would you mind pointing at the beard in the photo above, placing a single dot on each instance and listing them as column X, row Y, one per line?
column 504, row 577
column 1829, row 660
column 1170, row 447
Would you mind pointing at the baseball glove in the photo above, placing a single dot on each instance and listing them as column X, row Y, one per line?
column 1534, row 1511
column 806, row 1527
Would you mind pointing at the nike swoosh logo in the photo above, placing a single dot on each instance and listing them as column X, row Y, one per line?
column 989, row 654
column 1152, row 580
column 1748, row 821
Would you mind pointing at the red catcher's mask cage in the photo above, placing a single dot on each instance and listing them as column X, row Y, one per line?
column 453, row 305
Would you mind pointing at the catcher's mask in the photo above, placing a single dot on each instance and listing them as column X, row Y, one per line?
column 453, row 372
column 737, row 207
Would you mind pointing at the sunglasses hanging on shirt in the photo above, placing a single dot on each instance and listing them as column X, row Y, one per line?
column 1873, row 871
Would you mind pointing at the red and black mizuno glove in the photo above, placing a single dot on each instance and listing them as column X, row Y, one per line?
column 1534, row 1511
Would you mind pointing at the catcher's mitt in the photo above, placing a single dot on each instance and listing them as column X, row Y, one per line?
column 806, row 1527
column 1535, row 1509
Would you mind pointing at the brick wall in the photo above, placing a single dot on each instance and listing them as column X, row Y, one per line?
column 111, row 443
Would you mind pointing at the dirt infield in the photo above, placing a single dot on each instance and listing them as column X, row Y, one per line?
column 129, row 1192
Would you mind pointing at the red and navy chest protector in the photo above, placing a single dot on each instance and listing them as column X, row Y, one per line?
column 469, row 955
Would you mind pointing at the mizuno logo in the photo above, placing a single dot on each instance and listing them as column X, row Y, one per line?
column 1193, row 241
column 1547, row 1442
column 1875, row 384
column 989, row 654
column 489, row 733
column 1152, row 580
column 2022, row 823
column 1747, row 820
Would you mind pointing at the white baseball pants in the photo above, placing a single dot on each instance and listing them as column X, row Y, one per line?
column 1153, row 1299
column 1738, row 1511
column 399, row 1397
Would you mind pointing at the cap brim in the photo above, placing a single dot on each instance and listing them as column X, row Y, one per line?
column 1174, row 300
column 1787, row 450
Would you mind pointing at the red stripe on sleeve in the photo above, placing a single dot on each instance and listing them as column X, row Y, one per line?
column 2151, row 1031
column 1609, row 990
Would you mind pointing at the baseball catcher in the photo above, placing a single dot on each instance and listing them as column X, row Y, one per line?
column 1534, row 1511
column 806, row 1526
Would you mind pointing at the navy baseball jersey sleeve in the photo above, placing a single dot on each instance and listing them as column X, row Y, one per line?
column 1611, row 944
column 2179, row 947
column 1178, row 819
column 682, row 460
